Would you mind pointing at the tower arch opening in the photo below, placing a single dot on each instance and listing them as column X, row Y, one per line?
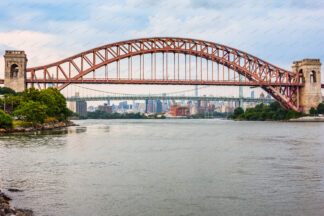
column 301, row 76
column 14, row 69
column 313, row 77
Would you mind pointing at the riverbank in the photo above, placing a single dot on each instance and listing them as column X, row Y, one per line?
column 308, row 119
column 42, row 127
column 6, row 209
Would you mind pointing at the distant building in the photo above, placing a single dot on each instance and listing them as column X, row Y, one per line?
column 105, row 108
column 91, row 109
column 154, row 106
column 194, row 110
column 252, row 94
column 177, row 110
column 261, row 95
column 79, row 107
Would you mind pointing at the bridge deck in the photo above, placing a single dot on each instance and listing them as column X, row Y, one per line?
column 161, row 82
column 152, row 97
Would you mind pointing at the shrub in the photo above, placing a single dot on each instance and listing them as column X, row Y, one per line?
column 320, row 108
column 31, row 111
column 313, row 111
column 6, row 121
column 51, row 120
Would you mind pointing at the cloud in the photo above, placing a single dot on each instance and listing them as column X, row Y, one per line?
column 277, row 31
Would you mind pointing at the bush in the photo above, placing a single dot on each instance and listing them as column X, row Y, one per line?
column 52, row 98
column 31, row 111
column 237, row 112
column 263, row 112
column 313, row 111
column 6, row 90
column 320, row 108
column 50, row 120
column 6, row 121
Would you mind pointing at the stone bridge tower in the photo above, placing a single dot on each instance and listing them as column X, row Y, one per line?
column 15, row 70
column 309, row 71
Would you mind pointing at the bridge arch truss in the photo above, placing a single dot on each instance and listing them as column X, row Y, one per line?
column 242, row 68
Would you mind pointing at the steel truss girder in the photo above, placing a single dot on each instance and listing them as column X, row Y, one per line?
column 279, row 83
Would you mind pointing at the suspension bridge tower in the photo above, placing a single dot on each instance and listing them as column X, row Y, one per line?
column 15, row 70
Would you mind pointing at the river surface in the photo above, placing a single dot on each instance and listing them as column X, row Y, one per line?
column 168, row 167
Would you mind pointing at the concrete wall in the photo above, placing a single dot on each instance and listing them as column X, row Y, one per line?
column 16, row 82
column 311, row 94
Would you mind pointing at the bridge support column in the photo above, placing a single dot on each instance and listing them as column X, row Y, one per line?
column 309, row 71
column 15, row 70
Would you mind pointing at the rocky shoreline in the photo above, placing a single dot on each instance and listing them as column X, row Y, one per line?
column 6, row 210
column 45, row 126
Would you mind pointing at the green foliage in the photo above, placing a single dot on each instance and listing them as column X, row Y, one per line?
column 30, row 94
column 320, row 108
column 313, row 111
column 6, row 121
column 31, row 111
column 209, row 115
column 104, row 115
column 9, row 102
column 263, row 112
column 54, row 101
column 237, row 112
column 5, row 90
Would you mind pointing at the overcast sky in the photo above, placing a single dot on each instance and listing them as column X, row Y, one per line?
column 277, row 31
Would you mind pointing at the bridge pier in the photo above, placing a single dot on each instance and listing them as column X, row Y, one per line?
column 15, row 70
column 309, row 73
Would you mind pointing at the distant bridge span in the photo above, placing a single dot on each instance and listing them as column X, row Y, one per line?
column 159, row 97
column 218, row 65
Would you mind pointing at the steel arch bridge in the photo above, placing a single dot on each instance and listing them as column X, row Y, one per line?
column 223, row 65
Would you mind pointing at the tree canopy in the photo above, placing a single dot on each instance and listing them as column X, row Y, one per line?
column 6, row 121
column 263, row 112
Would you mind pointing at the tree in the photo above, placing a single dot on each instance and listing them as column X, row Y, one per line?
column 237, row 112
column 275, row 106
column 6, row 121
column 6, row 90
column 55, row 102
column 31, row 111
column 313, row 111
column 30, row 94
column 320, row 108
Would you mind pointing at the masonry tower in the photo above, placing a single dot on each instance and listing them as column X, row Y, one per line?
column 309, row 71
column 15, row 70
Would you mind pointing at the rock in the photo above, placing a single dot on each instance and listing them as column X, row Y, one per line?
column 4, row 197
column 30, row 129
column 24, row 212
column 14, row 190
column 20, row 129
column 2, row 200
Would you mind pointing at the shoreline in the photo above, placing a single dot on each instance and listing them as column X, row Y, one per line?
column 308, row 119
column 43, row 127
column 6, row 209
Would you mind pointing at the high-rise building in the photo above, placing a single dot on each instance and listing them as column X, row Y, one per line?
column 81, row 108
column 105, row 108
column 158, row 106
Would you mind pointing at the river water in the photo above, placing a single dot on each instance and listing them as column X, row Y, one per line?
column 168, row 167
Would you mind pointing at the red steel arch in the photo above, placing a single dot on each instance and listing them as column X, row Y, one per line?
column 281, row 84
